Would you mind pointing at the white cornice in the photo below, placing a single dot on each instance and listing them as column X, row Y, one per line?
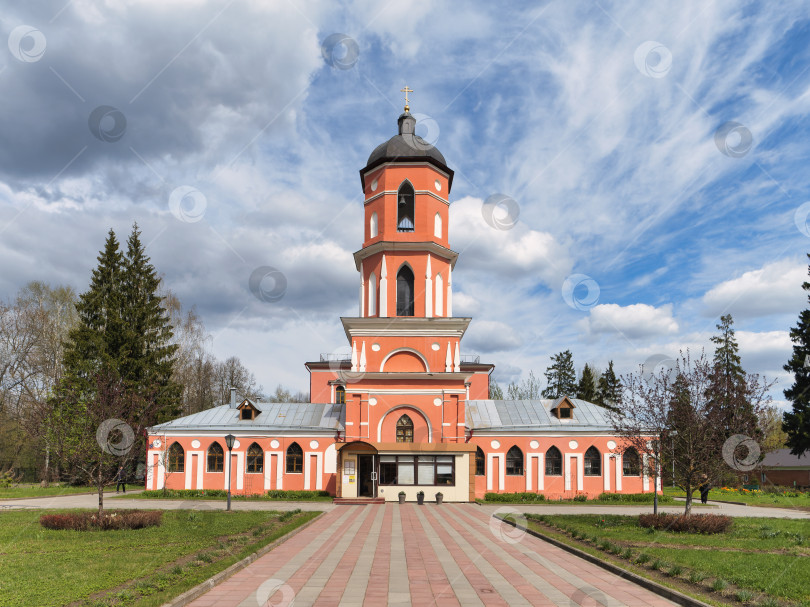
column 400, row 326
column 395, row 245
column 416, row 193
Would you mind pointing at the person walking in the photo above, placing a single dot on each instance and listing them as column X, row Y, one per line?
column 704, row 490
column 120, row 479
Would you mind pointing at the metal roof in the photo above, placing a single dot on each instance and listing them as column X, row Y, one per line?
column 272, row 416
column 782, row 458
column 534, row 415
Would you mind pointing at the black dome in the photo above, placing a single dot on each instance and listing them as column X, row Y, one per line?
column 406, row 146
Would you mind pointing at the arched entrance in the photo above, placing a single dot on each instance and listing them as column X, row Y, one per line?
column 359, row 464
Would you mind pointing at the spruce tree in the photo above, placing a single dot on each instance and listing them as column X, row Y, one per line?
column 149, row 363
column 586, row 389
column 98, row 339
column 728, row 388
column 797, row 421
column 609, row 389
column 561, row 376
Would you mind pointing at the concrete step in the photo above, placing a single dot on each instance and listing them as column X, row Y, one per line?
column 348, row 501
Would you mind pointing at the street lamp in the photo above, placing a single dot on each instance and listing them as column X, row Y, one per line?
column 229, row 440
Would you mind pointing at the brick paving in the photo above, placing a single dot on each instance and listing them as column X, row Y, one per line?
column 421, row 555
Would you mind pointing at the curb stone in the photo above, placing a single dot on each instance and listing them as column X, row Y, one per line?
column 218, row 578
column 667, row 593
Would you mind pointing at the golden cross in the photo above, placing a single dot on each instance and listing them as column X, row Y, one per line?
column 406, row 90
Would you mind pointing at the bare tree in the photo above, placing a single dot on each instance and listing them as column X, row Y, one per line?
column 675, row 410
column 94, row 433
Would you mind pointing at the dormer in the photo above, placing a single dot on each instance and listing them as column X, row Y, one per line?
column 247, row 411
column 563, row 409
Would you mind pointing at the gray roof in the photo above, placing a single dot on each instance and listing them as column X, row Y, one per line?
column 406, row 145
column 781, row 458
column 272, row 416
column 535, row 415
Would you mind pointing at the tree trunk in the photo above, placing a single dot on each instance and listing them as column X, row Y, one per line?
column 100, row 486
column 688, row 502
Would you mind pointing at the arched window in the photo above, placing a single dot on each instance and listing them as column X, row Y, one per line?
column 514, row 462
column 631, row 464
column 404, row 430
column 216, row 458
column 553, row 462
column 255, row 459
column 480, row 462
column 437, row 226
column 372, row 225
column 340, row 395
column 405, row 292
column 295, row 459
column 372, row 294
column 593, row 462
column 177, row 458
column 405, row 206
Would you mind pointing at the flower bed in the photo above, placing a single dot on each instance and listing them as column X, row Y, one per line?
column 113, row 519
column 686, row 523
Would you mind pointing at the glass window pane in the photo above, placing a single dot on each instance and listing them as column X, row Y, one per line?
column 444, row 458
column 444, row 469
column 405, row 473
column 426, row 458
column 388, row 458
column 444, row 477
column 405, row 458
column 388, row 473
column 426, row 474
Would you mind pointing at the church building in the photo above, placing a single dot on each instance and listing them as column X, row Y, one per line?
column 408, row 411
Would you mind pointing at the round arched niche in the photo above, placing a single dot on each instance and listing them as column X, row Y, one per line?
column 404, row 361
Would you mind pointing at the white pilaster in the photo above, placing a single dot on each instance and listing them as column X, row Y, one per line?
column 363, row 358
column 457, row 360
column 439, row 295
column 372, row 294
column 362, row 291
column 449, row 292
column 428, row 290
column 448, row 361
column 354, row 355
column 383, row 289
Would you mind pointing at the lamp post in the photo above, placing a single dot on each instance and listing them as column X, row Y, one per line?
column 229, row 440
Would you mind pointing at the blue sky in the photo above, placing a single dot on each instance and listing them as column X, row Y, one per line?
column 603, row 121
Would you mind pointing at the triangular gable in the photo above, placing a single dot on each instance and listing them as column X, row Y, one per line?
column 563, row 408
column 247, row 410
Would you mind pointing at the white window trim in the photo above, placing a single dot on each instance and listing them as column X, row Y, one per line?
column 580, row 470
column 540, row 471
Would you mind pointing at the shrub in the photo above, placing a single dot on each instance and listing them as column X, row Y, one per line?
column 289, row 514
column 643, row 558
column 676, row 570
column 769, row 602
column 696, row 577
column 525, row 497
column 719, row 585
column 686, row 523
column 581, row 498
column 112, row 519
column 744, row 596
column 627, row 554
column 634, row 498
column 657, row 564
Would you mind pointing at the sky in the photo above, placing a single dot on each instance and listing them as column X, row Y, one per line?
column 625, row 172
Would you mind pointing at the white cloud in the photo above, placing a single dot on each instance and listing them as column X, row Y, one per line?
column 636, row 320
column 491, row 336
column 775, row 288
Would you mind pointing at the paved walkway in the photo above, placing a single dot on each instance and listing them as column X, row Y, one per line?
column 91, row 501
column 421, row 555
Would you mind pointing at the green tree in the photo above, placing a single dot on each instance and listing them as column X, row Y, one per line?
column 495, row 392
column 609, row 388
column 727, row 388
column 148, row 358
column 797, row 421
column 586, row 389
column 561, row 376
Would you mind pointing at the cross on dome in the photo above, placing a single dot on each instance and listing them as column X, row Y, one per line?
column 406, row 90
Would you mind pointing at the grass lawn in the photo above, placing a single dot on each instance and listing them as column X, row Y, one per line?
column 753, row 498
column 759, row 561
column 218, row 494
column 144, row 567
column 31, row 490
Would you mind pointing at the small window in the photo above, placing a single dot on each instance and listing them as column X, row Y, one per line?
column 437, row 226
column 404, row 430
column 480, row 462
column 340, row 395
column 295, row 459
column 514, row 462
column 631, row 464
column 372, row 294
column 177, row 459
column 216, row 458
column 593, row 462
column 553, row 462
column 565, row 412
column 255, row 459
column 247, row 413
